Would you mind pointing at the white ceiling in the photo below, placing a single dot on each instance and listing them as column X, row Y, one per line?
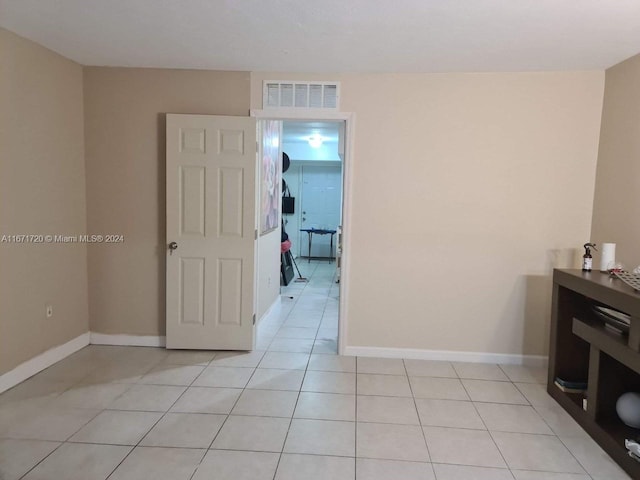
column 295, row 141
column 334, row 35
column 300, row 131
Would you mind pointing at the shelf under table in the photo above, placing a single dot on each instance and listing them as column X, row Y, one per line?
column 613, row 344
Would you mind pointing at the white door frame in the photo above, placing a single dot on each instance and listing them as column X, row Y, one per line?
column 347, row 165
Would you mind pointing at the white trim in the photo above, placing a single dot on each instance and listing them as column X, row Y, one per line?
column 447, row 355
column 345, row 249
column 273, row 311
column 350, row 121
column 299, row 114
column 128, row 340
column 44, row 360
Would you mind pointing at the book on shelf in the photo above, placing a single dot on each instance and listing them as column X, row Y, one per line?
column 570, row 387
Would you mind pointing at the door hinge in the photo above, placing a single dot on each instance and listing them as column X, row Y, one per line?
column 255, row 234
column 257, row 148
column 254, row 318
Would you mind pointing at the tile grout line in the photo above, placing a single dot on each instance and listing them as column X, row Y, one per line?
column 284, row 443
column 576, row 458
column 552, row 430
column 557, row 435
column 201, row 372
column 210, row 364
column 207, row 449
column 64, row 442
column 161, row 417
column 415, row 405
column 355, row 447
column 487, row 428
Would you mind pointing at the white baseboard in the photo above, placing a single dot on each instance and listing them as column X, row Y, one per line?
column 44, row 360
column 272, row 311
column 128, row 340
column 449, row 356
column 54, row 355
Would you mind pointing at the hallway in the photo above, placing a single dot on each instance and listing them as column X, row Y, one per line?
column 308, row 320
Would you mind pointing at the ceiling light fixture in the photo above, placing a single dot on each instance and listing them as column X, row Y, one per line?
column 315, row 141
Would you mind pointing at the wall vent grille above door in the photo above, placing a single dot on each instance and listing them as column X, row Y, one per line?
column 283, row 94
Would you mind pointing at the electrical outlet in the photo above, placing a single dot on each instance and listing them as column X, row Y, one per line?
column 49, row 310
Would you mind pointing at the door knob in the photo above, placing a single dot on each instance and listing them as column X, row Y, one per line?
column 172, row 247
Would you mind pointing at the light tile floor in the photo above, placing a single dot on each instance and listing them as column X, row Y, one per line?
column 292, row 409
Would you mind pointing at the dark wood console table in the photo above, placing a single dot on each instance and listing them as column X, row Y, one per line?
column 583, row 349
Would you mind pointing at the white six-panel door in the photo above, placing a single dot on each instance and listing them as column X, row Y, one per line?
column 211, row 176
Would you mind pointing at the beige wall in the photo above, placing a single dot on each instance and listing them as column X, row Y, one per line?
column 616, row 208
column 125, row 158
column 466, row 188
column 268, row 272
column 42, row 191
column 267, row 251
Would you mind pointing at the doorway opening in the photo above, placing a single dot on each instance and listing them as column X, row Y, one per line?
column 314, row 180
column 317, row 180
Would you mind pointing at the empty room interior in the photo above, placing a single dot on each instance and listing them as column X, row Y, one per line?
column 348, row 241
